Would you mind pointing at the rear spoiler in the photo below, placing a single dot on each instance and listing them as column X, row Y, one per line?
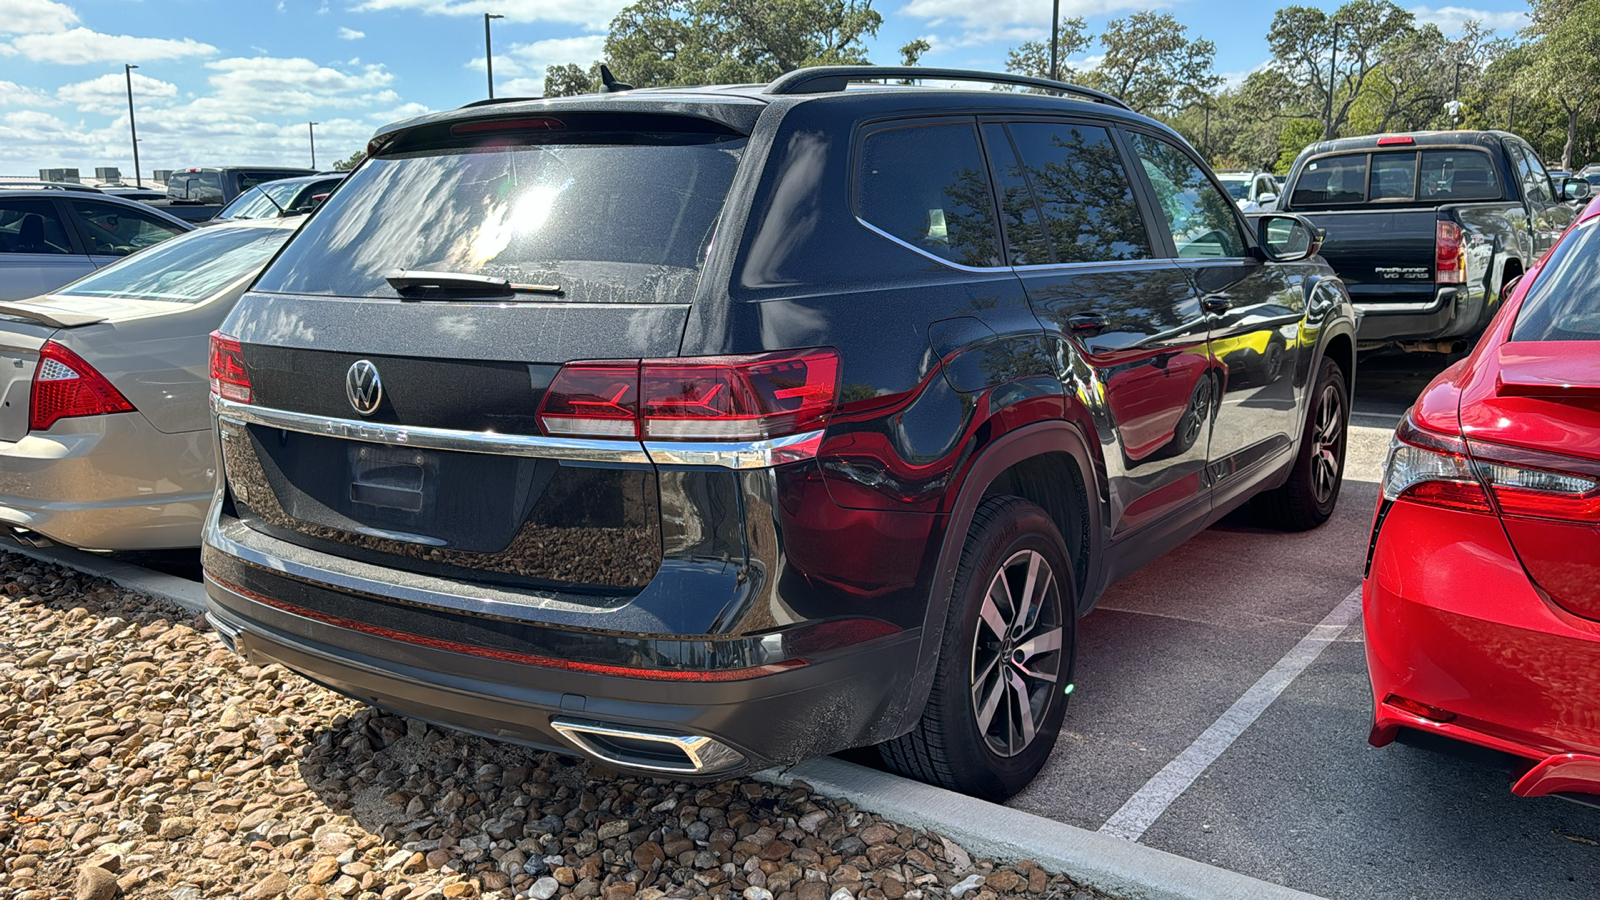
column 49, row 315
column 1549, row 370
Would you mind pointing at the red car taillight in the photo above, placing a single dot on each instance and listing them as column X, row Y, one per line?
column 718, row 398
column 230, row 380
column 1440, row 470
column 1448, row 264
column 65, row 387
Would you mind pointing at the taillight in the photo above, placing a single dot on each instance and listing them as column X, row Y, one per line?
column 1525, row 491
column 1439, row 470
column 230, row 380
column 716, row 399
column 65, row 387
column 1448, row 264
column 1431, row 468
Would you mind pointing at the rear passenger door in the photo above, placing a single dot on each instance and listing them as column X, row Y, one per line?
column 1253, row 312
column 1078, row 237
column 37, row 252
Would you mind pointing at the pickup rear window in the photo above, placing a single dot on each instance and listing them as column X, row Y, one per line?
column 1565, row 303
column 614, row 216
column 1449, row 175
column 195, row 187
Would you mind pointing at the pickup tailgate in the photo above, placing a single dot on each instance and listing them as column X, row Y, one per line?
column 1383, row 257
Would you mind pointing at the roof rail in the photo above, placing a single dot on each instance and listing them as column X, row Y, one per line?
column 827, row 79
column 52, row 185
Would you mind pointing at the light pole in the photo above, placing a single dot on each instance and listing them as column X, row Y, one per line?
column 311, row 128
column 1055, row 37
column 488, row 51
column 127, row 71
column 1455, row 114
column 1333, row 75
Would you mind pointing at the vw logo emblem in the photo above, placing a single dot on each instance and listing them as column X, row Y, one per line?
column 363, row 387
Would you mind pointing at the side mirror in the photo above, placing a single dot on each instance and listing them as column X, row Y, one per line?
column 1576, row 189
column 1287, row 238
column 1264, row 199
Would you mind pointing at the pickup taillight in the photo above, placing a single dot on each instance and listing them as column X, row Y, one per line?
column 1448, row 264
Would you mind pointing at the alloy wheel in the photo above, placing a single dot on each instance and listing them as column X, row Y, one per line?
column 1327, row 454
column 1017, row 653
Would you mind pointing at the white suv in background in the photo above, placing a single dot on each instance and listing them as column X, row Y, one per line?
column 1253, row 191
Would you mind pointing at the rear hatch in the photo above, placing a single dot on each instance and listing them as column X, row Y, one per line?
column 1386, row 236
column 465, row 264
column 1532, row 422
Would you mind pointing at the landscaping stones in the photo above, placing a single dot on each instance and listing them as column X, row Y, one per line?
column 140, row 758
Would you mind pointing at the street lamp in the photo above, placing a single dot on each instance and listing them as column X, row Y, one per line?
column 1455, row 112
column 1333, row 75
column 311, row 128
column 1055, row 36
column 127, row 71
column 488, row 51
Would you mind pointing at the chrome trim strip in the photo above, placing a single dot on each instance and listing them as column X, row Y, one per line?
column 1036, row 267
column 577, row 449
column 735, row 455
column 1434, row 305
column 705, row 755
column 938, row 259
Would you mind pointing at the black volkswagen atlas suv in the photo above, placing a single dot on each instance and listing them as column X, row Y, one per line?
column 699, row 430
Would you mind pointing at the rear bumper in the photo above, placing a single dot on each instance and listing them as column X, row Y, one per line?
column 1453, row 624
column 108, row 483
column 837, row 699
column 1452, row 312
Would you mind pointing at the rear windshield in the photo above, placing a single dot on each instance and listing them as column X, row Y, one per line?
column 1397, row 176
column 1564, row 304
column 261, row 202
column 1238, row 187
column 195, row 187
column 186, row 269
column 606, row 217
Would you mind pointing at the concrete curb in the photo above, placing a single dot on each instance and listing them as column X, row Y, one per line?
column 190, row 595
column 1113, row 865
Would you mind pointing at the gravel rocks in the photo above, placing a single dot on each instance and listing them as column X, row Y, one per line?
column 139, row 758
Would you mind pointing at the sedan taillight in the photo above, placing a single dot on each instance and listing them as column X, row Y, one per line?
column 65, row 387
column 1440, row 470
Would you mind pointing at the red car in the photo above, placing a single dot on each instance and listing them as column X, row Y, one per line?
column 1482, row 594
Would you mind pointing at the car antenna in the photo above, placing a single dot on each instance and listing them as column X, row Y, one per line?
column 281, row 210
column 609, row 83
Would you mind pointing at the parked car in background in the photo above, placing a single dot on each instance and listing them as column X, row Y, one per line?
column 703, row 429
column 284, row 197
column 1591, row 174
column 105, row 437
column 1428, row 228
column 1253, row 191
column 51, row 234
column 198, row 194
column 1482, row 592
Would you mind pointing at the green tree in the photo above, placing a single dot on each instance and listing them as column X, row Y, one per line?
column 1302, row 43
column 349, row 162
column 1032, row 58
column 570, row 79
column 676, row 42
column 1151, row 64
column 911, row 53
column 1563, row 63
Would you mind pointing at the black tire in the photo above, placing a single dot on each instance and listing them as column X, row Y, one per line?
column 953, row 745
column 1312, row 492
column 1195, row 416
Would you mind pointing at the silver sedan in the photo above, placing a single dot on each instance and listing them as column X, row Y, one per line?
column 105, row 433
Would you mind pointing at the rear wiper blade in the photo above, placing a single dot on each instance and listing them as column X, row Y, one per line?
column 414, row 281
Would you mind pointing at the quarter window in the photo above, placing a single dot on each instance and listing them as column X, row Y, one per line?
column 926, row 185
column 1083, row 192
column 31, row 226
column 1201, row 216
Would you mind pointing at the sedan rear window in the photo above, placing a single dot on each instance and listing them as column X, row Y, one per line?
column 187, row 269
column 603, row 217
column 1564, row 305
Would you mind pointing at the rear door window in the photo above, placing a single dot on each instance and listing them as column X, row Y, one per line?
column 1331, row 180
column 115, row 230
column 32, row 226
column 1083, row 191
column 1564, row 304
column 606, row 216
column 1202, row 217
column 926, row 185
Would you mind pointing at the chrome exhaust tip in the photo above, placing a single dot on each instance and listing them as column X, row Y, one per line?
column 651, row 751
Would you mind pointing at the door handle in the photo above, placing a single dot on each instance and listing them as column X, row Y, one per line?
column 1216, row 304
column 1088, row 323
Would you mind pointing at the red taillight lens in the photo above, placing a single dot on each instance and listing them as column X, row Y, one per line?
column 719, row 398
column 1533, row 485
column 65, row 387
column 1448, row 265
column 738, row 398
column 592, row 400
column 1431, row 468
column 230, row 380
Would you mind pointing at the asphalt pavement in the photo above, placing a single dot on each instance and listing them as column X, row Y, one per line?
column 1298, row 797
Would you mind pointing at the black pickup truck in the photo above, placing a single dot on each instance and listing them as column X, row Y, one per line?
column 198, row 194
column 1428, row 229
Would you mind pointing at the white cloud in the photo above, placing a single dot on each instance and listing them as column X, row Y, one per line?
column 350, row 34
column 108, row 94
column 13, row 94
column 81, row 46
column 267, row 85
column 1452, row 19
column 593, row 13
column 998, row 19
column 35, row 16
column 524, row 64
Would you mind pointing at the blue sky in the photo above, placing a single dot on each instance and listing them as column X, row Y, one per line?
column 236, row 81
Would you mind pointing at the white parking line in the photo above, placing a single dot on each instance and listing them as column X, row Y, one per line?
column 1149, row 802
